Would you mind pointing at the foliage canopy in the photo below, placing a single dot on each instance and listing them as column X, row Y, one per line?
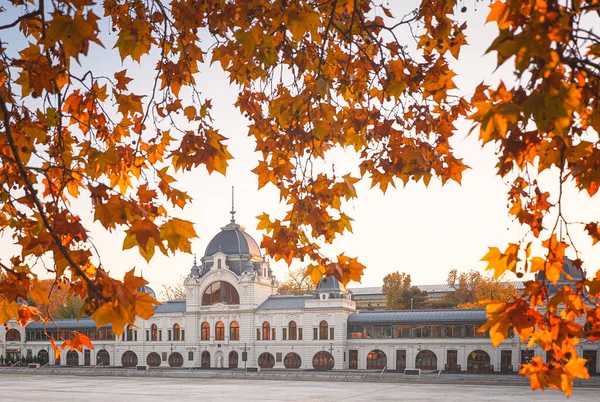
column 312, row 75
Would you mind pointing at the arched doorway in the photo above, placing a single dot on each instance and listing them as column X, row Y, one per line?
column 72, row 358
column 478, row 360
column 175, row 359
column 233, row 360
column 426, row 360
column 129, row 359
column 153, row 359
column 292, row 361
column 43, row 357
column 205, row 359
column 376, row 360
column 323, row 361
column 266, row 360
column 103, row 358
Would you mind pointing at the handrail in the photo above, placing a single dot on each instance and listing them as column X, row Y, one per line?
column 47, row 364
column 194, row 366
column 383, row 371
column 95, row 367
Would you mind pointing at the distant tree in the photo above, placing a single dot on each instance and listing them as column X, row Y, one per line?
column 58, row 303
column 400, row 294
column 472, row 289
column 173, row 291
column 296, row 282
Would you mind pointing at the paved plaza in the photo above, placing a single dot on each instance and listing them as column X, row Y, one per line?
column 102, row 388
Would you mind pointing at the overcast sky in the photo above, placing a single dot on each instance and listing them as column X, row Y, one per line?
column 421, row 231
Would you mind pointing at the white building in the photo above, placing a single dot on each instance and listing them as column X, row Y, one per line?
column 232, row 318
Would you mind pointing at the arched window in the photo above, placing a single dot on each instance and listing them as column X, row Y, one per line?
column 220, row 292
column 129, row 333
column 129, row 359
column 219, row 331
column 376, row 360
column 153, row 359
column 426, row 360
column 103, row 357
column 266, row 331
column 292, row 361
column 266, row 360
column 478, row 360
column 219, row 263
column 72, row 358
column 43, row 357
column 293, row 331
column 323, row 361
column 175, row 359
column 323, row 330
column 12, row 335
column 205, row 331
column 153, row 332
column 205, row 359
column 233, row 360
column 234, row 331
column 176, row 332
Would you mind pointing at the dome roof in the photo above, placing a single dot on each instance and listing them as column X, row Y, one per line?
column 330, row 284
column 232, row 240
column 147, row 289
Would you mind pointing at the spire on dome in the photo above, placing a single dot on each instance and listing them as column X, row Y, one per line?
column 232, row 204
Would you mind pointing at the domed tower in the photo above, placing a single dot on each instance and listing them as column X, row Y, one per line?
column 232, row 257
column 330, row 288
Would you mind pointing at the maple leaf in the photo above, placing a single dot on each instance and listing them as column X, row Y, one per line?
column 178, row 233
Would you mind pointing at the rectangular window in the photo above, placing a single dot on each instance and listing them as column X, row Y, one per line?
column 331, row 333
column 506, row 361
column 401, row 331
column 436, row 331
column 278, row 357
column 168, row 335
column 315, row 333
column 452, row 361
column 284, row 334
column 30, row 353
column 273, row 334
column 183, row 334
column 344, row 357
column 147, row 335
column 526, row 356
column 160, row 334
column 417, row 331
column 164, row 356
column 191, row 356
column 368, row 332
column 469, row 331
column 426, row 331
column 135, row 335
column 400, row 360
column 258, row 334
column 387, row 332
column 299, row 334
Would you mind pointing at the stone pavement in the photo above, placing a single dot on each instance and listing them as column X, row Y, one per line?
column 27, row 387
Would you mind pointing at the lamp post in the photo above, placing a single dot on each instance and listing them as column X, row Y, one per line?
column 245, row 355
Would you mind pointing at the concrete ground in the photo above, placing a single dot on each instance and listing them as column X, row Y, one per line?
column 29, row 387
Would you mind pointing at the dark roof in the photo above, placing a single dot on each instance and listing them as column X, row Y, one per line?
column 232, row 240
column 284, row 302
column 418, row 316
column 147, row 289
column 172, row 306
column 442, row 288
column 330, row 284
column 67, row 324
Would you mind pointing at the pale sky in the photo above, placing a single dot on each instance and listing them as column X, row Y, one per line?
column 423, row 232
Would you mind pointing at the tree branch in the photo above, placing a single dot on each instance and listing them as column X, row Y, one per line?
column 33, row 193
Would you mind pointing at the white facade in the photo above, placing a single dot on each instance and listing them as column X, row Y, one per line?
column 234, row 286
